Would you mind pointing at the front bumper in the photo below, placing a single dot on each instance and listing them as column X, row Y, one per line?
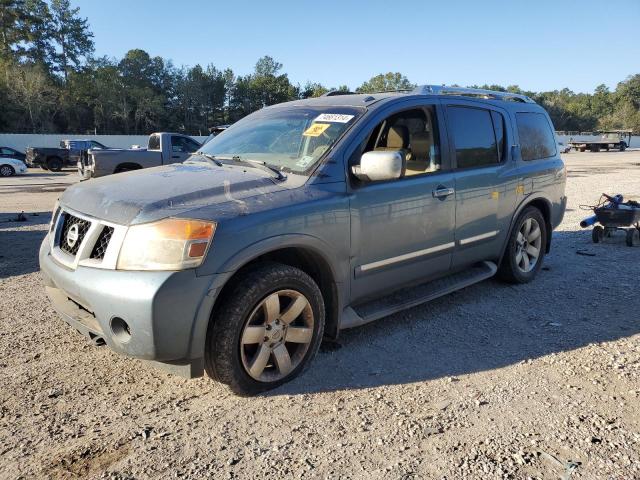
column 165, row 311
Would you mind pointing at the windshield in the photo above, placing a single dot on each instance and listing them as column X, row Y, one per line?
column 291, row 139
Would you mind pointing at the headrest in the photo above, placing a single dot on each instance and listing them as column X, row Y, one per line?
column 398, row 137
column 421, row 144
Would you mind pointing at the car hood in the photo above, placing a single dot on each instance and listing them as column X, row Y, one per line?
column 146, row 195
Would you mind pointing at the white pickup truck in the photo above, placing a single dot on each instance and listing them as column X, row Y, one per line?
column 163, row 148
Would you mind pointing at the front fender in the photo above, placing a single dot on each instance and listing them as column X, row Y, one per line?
column 243, row 257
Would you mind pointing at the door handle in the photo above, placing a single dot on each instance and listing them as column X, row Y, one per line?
column 175, row 156
column 443, row 192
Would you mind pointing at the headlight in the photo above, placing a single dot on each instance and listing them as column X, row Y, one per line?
column 171, row 244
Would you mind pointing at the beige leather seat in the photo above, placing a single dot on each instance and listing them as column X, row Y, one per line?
column 421, row 161
column 397, row 139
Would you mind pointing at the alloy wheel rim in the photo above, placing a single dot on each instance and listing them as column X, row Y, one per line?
column 5, row 171
column 528, row 245
column 277, row 335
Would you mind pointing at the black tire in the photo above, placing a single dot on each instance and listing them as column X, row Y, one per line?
column 44, row 166
column 633, row 237
column 509, row 270
column 623, row 146
column 7, row 171
column 223, row 360
column 597, row 234
column 54, row 164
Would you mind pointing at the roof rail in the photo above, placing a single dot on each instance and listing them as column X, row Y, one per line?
column 334, row 93
column 472, row 92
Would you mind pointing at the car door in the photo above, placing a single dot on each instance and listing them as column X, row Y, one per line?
column 182, row 148
column 485, row 179
column 402, row 231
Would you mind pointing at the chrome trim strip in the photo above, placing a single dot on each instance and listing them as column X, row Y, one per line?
column 406, row 256
column 476, row 238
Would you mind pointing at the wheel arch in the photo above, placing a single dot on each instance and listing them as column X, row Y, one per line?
column 302, row 252
column 51, row 158
column 127, row 166
column 544, row 206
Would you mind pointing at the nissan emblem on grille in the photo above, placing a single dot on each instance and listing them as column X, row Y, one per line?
column 73, row 231
column 72, row 235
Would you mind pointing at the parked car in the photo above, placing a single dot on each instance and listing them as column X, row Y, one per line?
column 304, row 219
column 162, row 149
column 11, row 166
column 55, row 159
column 563, row 148
column 8, row 152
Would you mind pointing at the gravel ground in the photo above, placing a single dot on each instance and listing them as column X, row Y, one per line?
column 495, row 381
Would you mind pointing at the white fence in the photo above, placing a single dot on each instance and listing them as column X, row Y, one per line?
column 20, row 141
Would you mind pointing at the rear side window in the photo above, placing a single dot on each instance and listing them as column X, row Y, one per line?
column 536, row 137
column 473, row 136
column 154, row 142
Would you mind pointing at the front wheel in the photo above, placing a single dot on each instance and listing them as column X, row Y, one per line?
column 633, row 237
column 525, row 249
column 267, row 330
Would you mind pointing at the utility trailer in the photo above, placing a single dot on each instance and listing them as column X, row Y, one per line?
column 613, row 139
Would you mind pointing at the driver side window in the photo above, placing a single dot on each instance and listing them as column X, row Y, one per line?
column 412, row 132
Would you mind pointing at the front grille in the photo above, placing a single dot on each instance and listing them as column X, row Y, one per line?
column 101, row 244
column 67, row 224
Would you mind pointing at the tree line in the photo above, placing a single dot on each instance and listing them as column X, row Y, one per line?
column 50, row 81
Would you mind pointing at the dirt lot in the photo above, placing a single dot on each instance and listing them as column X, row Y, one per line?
column 495, row 381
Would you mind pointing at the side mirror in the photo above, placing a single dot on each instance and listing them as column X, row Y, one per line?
column 380, row 165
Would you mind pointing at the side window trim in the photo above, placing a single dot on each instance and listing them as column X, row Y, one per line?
column 370, row 124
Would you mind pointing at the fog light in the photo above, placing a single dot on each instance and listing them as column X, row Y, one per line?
column 120, row 329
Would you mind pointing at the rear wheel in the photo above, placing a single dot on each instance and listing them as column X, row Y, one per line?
column 623, row 146
column 6, row 171
column 525, row 248
column 267, row 330
column 54, row 164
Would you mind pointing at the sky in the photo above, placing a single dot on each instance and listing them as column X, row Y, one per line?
column 537, row 44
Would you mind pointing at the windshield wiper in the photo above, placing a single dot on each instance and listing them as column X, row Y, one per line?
column 210, row 157
column 262, row 165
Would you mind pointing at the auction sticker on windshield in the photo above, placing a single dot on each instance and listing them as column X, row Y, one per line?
column 333, row 117
column 316, row 129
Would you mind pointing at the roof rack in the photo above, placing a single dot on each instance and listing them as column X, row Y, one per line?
column 472, row 92
column 334, row 93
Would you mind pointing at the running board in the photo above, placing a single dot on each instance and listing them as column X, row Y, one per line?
column 413, row 296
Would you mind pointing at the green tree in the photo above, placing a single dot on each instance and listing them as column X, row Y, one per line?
column 31, row 87
column 385, row 82
column 72, row 36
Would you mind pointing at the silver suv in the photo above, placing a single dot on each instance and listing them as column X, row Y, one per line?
column 304, row 219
